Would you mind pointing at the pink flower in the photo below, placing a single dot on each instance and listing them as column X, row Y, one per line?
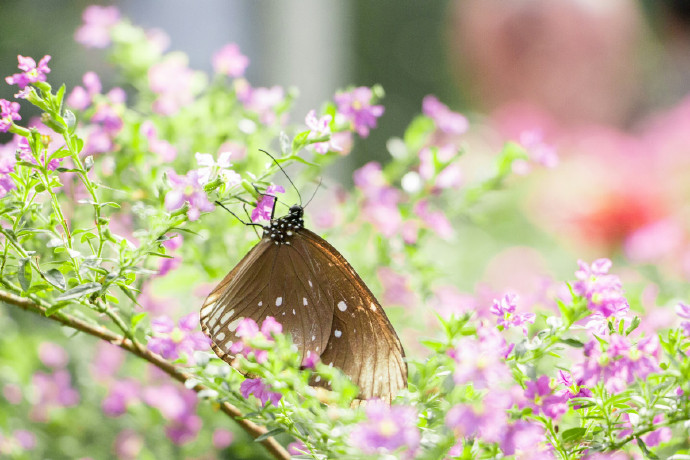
column 172, row 81
column 262, row 101
column 178, row 406
column 230, row 61
column 52, row 355
column 541, row 399
column 396, row 289
column 521, row 435
column 260, row 390
column 505, row 308
column 604, row 292
column 52, row 390
column 171, row 342
column 435, row 220
column 387, row 429
column 380, row 205
column 9, row 111
column 128, row 445
column 446, row 120
column 310, row 360
column 356, row 107
column 187, row 189
column 164, row 149
column 320, row 127
column 98, row 20
column 683, row 310
column 264, row 207
column 12, row 393
column 168, row 264
column 654, row 241
column 7, row 162
column 487, row 420
column 122, row 393
column 26, row 155
column 106, row 361
column 80, row 97
column 297, row 448
column 222, row 438
column 32, row 73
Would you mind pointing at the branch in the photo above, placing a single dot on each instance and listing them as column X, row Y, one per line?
column 176, row 373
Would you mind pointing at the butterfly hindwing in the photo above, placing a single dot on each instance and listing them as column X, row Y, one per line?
column 302, row 281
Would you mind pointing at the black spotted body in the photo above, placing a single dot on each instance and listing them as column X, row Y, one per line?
column 302, row 281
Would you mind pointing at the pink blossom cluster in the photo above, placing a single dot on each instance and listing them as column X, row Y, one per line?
column 172, row 342
column 387, row 429
column 52, row 389
column 247, row 330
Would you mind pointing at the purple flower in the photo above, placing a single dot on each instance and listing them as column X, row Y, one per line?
column 52, row 355
column 171, row 342
column 262, row 101
column 247, row 329
column 320, row 127
column 9, row 111
column 98, row 20
column 222, row 438
column 604, row 292
column 32, row 73
column 356, row 107
column 446, row 120
column 168, row 264
column 541, row 398
column 12, row 393
column 7, row 162
column 26, row 154
column 26, row 439
column 107, row 116
column 211, row 169
column 297, row 448
column 387, row 429
column 121, row 394
column 481, row 361
column 574, row 388
column 230, row 61
column 187, row 189
column 173, row 82
column 52, row 390
column 505, row 308
column 264, row 207
column 260, row 390
column 487, row 419
column 310, row 360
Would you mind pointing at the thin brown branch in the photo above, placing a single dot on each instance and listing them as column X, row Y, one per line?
column 178, row 374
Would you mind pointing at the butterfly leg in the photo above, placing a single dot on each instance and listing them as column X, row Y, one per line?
column 237, row 217
column 244, row 206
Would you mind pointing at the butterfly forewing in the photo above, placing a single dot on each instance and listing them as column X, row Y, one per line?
column 363, row 343
column 307, row 285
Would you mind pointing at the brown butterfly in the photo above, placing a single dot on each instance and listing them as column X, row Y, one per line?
column 302, row 281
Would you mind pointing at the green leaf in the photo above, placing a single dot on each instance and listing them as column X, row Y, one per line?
column 87, row 236
column 136, row 319
column 417, row 132
column 55, row 308
column 70, row 121
column 300, row 140
column 573, row 434
column 61, row 153
column 79, row 291
column 572, row 342
column 269, row 434
column 38, row 288
column 24, row 273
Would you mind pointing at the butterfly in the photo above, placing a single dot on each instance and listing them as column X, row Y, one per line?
column 302, row 281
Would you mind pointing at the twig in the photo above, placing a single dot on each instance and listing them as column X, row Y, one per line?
column 178, row 374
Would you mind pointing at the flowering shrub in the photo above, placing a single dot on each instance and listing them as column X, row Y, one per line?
column 109, row 226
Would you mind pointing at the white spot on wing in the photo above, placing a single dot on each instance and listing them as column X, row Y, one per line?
column 232, row 326
column 318, row 378
column 293, row 312
column 224, row 319
column 220, row 336
column 338, row 333
column 214, row 318
column 313, row 337
column 279, row 301
column 304, row 301
column 310, row 285
column 373, row 306
column 342, row 306
column 207, row 309
column 260, row 303
column 228, row 345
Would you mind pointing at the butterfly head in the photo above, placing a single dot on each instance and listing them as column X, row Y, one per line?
column 281, row 230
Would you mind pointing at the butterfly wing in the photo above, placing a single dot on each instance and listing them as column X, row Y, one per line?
column 268, row 281
column 362, row 342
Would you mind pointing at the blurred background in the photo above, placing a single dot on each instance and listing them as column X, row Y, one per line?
column 605, row 83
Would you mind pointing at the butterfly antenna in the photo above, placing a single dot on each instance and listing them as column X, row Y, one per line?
column 237, row 217
column 314, row 194
column 244, row 206
column 286, row 175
